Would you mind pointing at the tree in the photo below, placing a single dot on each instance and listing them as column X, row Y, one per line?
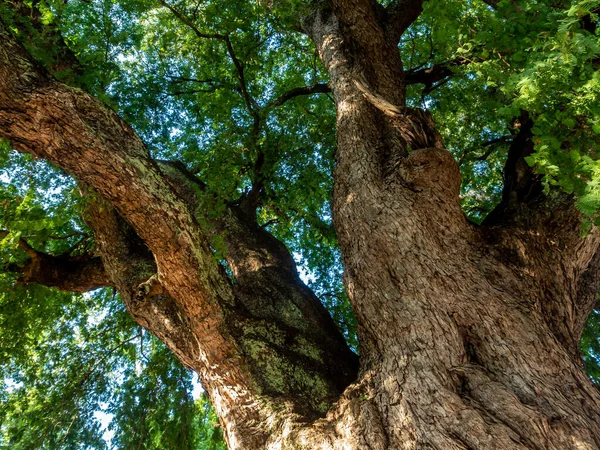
column 469, row 325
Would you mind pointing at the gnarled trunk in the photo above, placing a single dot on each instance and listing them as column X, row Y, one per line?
column 468, row 333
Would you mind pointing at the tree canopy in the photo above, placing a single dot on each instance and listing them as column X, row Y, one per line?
column 235, row 92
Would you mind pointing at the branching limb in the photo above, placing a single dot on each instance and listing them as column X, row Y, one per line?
column 433, row 74
column 66, row 273
column 521, row 184
column 250, row 102
column 400, row 14
column 542, row 233
column 492, row 145
column 84, row 137
column 190, row 24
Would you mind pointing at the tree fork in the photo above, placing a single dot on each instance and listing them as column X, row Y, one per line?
column 216, row 334
column 466, row 322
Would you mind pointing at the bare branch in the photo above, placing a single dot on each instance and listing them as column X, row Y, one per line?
column 493, row 144
column 190, row 24
column 320, row 88
column 251, row 104
column 433, row 74
column 190, row 92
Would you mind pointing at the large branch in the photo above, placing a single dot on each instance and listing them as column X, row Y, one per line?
column 540, row 234
column 178, row 278
column 319, row 88
column 66, row 273
column 400, row 14
column 437, row 73
column 521, row 184
column 78, row 133
column 81, row 135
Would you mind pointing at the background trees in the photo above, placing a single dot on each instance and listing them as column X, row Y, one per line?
column 234, row 92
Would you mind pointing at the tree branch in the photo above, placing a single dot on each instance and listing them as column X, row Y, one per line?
column 433, row 74
column 190, row 24
column 249, row 101
column 521, row 184
column 251, row 104
column 84, row 137
column 66, row 273
column 539, row 236
column 319, row 88
column 400, row 14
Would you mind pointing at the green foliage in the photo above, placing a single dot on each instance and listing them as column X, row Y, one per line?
column 536, row 58
column 590, row 347
column 68, row 361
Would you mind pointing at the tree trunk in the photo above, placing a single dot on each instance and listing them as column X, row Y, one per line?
column 468, row 333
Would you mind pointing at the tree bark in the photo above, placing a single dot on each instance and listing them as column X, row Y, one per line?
column 468, row 333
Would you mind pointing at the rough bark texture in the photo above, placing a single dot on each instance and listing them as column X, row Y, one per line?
column 253, row 362
column 468, row 334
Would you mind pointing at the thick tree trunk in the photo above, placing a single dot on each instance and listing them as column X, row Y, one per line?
column 468, row 334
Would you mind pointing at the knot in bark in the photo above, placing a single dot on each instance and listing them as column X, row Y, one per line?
column 431, row 169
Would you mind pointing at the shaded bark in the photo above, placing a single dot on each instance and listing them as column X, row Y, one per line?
column 71, row 274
